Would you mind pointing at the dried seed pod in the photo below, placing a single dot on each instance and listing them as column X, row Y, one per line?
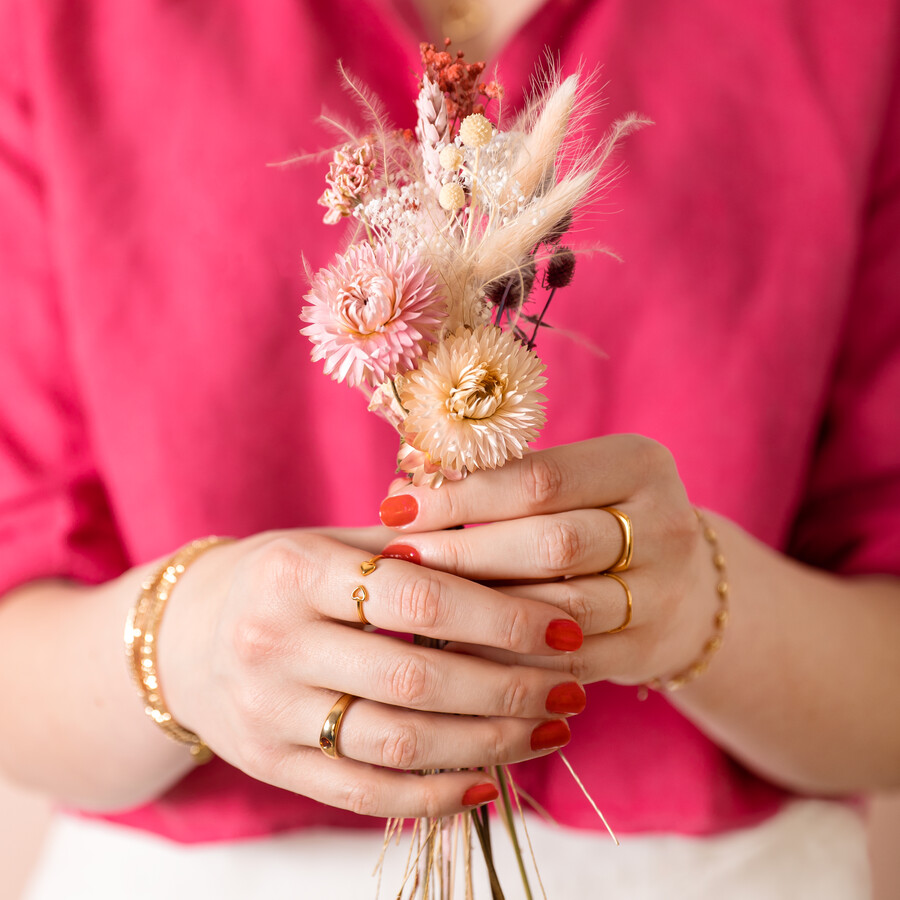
column 560, row 268
column 451, row 157
column 452, row 197
column 516, row 286
column 476, row 131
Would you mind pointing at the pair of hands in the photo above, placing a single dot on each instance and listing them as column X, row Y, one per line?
column 262, row 635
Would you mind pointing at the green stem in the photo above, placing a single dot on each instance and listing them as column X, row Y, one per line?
column 500, row 771
column 485, row 841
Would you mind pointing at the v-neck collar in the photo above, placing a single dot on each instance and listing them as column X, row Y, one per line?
column 520, row 56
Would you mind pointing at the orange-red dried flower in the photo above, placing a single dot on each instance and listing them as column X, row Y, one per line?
column 457, row 79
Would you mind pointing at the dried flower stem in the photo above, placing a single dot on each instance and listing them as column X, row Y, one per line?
column 511, row 828
column 516, row 790
column 482, row 829
column 467, row 854
column 501, row 306
column 584, row 791
column 473, row 205
column 540, row 320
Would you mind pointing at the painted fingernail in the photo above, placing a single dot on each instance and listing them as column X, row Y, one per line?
column 555, row 733
column 402, row 551
column 399, row 510
column 564, row 635
column 566, row 698
column 481, row 793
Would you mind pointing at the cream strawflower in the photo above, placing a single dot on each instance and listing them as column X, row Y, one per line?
column 373, row 312
column 475, row 402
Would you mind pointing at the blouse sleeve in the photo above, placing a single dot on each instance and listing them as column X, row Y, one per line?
column 54, row 518
column 850, row 519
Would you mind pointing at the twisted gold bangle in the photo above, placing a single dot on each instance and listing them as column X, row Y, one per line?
column 141, row 637
column 720, row 620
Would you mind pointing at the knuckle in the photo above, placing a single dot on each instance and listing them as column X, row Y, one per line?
column 518, row 628
column 360, row 797
column 579, row 668
column 496, row 744
column 253, row 704
column 455, row 554
column 515, row 699
column 401, row 746
column 685, row 530
column 451, row 511
column 574, row 602
column 561, row 545
column 652, row 455
column 255, row 640
column 419, row 600
column 408, row 682
column 280, row 571
column 260, row 759
column 432, row 807
column 276, row 560
column 542, row 480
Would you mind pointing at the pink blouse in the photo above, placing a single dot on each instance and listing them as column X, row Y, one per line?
column 154, row 387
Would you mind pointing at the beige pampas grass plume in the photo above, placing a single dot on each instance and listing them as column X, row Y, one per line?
column 505, row 249
column 536, row 158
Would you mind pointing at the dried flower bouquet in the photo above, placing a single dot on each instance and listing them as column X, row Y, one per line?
column 431, row 311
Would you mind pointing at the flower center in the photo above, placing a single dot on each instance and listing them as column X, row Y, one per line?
column 366, row 304
column 478, row 393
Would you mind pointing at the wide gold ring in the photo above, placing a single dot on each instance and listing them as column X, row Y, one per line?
column 627, row 621
column 624, row 560
column 328, row 737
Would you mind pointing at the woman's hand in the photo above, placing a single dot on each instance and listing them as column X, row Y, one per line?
column 802, row 691
column 262, row 636
column 547, row 527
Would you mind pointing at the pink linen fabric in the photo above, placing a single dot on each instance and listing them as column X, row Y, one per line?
column 155, row 388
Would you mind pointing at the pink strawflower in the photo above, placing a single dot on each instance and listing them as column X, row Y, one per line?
column 372, row 314
column 473, row 404
column 349, row 177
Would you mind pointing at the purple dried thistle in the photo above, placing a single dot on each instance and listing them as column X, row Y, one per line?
column 560, row 268
column 512, row 290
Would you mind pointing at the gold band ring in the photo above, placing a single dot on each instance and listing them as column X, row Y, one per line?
column 329, row 735
column 360, row 594
column 624, row 560
column 627, row 621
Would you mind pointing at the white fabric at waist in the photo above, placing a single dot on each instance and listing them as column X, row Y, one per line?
column 810, row 849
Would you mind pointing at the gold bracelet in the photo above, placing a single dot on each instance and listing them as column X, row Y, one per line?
column 720, row 621
column 141, row 638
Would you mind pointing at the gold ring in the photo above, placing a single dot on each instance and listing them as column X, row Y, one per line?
column 329, row 735
column 360, row 594
column 624, row 560
column 627, row 621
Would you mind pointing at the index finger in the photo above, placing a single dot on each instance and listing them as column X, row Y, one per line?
column 599, row 472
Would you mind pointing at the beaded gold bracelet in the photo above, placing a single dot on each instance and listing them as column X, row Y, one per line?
column 720, row 620
column 141, row 638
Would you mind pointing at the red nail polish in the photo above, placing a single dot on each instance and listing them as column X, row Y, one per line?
column 566, row 698
column 402, row 551
column 564, row 635
column 555, row 733
column 399, row 510
column 481, row 793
